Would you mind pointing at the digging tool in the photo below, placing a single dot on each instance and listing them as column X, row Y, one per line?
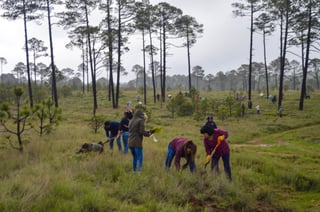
column 108, row 140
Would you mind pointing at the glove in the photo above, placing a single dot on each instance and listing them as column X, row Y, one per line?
column 208, row 158
column 221, row 137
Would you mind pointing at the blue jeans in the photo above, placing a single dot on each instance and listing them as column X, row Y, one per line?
column 226, row 165
column 169, row 157
column 118, row 142
column 125, row 136
column 137, row 159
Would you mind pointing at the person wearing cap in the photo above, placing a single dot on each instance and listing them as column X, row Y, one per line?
column 181, row 148
column 124, row 129
column 210, row 122
column 216, row 147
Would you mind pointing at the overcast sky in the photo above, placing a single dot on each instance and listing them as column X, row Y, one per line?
column 224, row 45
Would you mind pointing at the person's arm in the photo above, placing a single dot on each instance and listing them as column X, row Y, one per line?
column 143, row 131
column 207, row 146
column 177, row 158
column 107, row 133
column 118, row 131
column 220, row 132
column 122, row 125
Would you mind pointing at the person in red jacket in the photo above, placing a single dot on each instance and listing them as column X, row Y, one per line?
column 216, row 147
column 181, row 148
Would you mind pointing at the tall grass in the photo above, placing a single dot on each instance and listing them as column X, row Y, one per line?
column 275, row 163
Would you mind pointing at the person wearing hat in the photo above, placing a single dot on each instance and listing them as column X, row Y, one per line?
column 181, row 148
column 210, row 122
column 216, row 147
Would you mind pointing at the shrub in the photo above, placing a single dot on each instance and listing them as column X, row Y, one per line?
column 185, row 109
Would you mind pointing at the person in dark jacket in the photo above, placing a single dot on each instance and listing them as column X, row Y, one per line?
column 216, row 147
column 112, row 129
column 124, row 129
column 181, row 148
column 136, row 133
column 210, row 122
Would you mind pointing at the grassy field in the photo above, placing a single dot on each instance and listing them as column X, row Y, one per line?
column 275, row 163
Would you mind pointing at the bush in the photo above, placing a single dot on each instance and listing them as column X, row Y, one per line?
column 185, row 109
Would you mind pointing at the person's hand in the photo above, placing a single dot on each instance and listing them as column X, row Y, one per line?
column 147, row 134
column 208, row 158
column 185, row 166
column 151, row 131
column 221, row 138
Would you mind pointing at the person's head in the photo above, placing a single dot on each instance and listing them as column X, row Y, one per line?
column 128, row 114
column 190, row 150
column 138, row 113
column 210, row 118
column 106, row 124
column 206, row 131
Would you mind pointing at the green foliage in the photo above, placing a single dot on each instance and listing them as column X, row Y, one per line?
column 15, row 124
column 18, row 91
column 48, row 116
column 213, row 105
column 185, row 109
column 202, row 109
column 305, row 183
column 4, row 112
column 223, row 112
column 5, row 93
column 275, row 163
column 194, row 94
column 96, row 122
column 145, row 110
column 180, row 105
column 40, row 92
column 65, row 91
column 230, row 102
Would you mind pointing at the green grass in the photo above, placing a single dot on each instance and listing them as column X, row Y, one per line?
column 275, row 163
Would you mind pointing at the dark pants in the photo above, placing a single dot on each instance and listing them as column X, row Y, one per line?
column 226, row 165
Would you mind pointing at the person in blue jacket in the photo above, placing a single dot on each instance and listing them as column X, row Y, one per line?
column 181, row 148
column 112, row 129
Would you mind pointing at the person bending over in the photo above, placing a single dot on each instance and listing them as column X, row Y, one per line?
column 216, row 147
column 181, row 148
